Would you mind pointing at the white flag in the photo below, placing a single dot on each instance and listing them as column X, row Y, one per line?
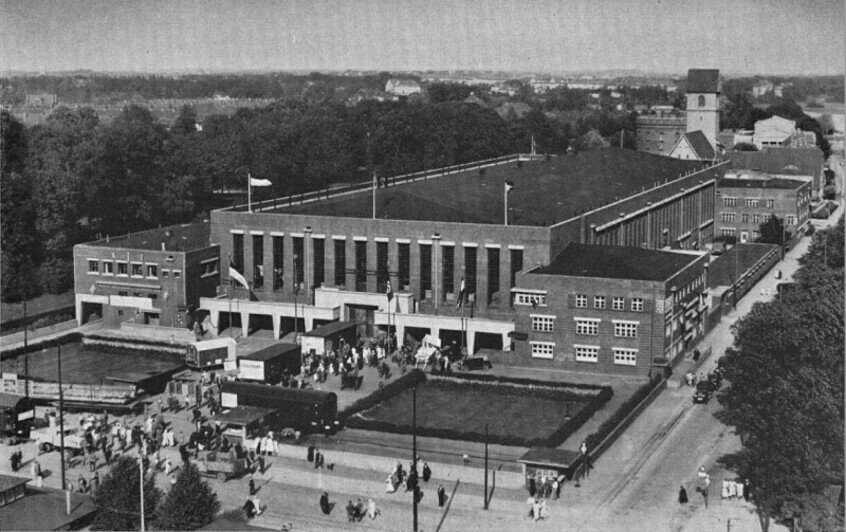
column 259, row 182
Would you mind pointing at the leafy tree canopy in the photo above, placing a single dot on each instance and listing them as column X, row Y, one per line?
column 190, row 504
column 119, row 497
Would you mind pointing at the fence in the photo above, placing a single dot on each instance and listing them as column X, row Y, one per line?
column 306, row 197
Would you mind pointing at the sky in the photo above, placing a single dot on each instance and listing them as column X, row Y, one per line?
column 736, row 36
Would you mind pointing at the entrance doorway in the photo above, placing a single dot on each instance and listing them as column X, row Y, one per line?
column 363, row 316
column 91, row 311
column 151, row 318
column 488, row 341
column 744, row 237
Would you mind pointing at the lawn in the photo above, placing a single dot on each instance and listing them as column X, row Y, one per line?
column 465, row 407
column 83, row 364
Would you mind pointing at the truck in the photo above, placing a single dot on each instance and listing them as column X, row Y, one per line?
column 305, row 410
column 223, row 466
column 269, row 364
column 210, row 353
column 49, row 438
column 322, row 339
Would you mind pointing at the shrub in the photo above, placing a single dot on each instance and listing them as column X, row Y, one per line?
column 410, row 379
column 190, row 504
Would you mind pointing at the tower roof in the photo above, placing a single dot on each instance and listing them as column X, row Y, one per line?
column 705, row 80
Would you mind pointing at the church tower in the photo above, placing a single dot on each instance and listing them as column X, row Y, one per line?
column 703, row 102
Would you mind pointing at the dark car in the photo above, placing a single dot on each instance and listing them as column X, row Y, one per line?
column 704, row 390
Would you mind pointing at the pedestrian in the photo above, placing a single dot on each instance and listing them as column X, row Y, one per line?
column 95, row 482
column 532, row 486
column 260, row 460
column 427, row 473
column 316, row 459
column 466, row 460
column 747, row 489
column 556, row 489
column 310, row 453
column 324, row 503
column 536, row 509
column 252, row 485
column 441, row 496
column 682, row 495
column 531, row 503
column 372, row 511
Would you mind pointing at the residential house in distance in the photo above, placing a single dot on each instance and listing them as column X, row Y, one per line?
column 761, row 88
column 610, row 309
column 402, row 87
column 778, row 132
column 693, row 146
column 744, row 204
column 41, row 101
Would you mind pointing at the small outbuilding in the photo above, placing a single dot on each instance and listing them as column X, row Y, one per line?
column 323, row 339
column 547, row 462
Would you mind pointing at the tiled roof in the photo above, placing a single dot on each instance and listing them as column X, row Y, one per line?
column 185, row 237
column 808, row 161
column 617, row 262
column 703, row 80
column 700, row 144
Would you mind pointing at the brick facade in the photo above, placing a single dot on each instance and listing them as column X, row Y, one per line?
column 744, row 204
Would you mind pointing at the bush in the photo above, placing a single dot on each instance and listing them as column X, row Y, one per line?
column 55, row 276
column 190, row 504
column 593, row 440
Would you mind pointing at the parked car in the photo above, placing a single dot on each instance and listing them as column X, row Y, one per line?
column 49, row 438
column 704, row 390
column 220, row 465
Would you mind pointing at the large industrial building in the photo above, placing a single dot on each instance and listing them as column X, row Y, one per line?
column 331, row 256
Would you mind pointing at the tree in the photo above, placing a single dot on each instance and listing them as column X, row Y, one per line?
column 190, row 504
column 786, row 398
column 186, row 122
column 119, row 497
column 773, row 232
column 591, row 140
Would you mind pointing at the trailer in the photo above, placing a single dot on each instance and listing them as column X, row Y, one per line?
column 16, row 415
column 210, row 353
column 269, row 364
column 323, row 339
column 307, row 410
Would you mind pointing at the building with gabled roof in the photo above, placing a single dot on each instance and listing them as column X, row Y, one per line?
column 693, row 146
column 402, row 87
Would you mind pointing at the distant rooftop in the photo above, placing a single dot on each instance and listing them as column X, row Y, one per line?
column 544, row 193
column 794, row 161
column 703, row 80
column 776, row 182
column 185, row 237
column 617, row 262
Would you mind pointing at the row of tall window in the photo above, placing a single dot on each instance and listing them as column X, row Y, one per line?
column 730, row 217
column 622, row 356
column 617, row 303
column 622, row 329
column 749, row 202
column 359, row 271
column 140, row 270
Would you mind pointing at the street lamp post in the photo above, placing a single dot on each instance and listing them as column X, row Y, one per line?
column 61, row 416
column 414, row 451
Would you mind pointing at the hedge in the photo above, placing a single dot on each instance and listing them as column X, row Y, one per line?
column 70, row 338
column 43, row 319
column 486, row 377
column 410, row 379
column 593, row 440
column 553, row 440
column 39, row 344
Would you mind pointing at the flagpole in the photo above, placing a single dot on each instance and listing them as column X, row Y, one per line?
column 374, row 195
column 249, row 194
column 505, row 196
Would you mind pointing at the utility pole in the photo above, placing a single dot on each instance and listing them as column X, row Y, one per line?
column 61, row 416
column 141, row 476
column 414, row 450
column 26, row 355
column 486, row 466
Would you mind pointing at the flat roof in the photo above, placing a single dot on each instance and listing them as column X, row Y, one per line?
column 242, row 415
column 776, row 182
column 8, row 482
column 544, row 193
column 330, row 328
column 271, row 352
column 44, row 509
column 184, row 237
column 617, row 262
column 547, row 456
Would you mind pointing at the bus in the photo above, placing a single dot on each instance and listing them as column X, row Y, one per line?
column 306, row 410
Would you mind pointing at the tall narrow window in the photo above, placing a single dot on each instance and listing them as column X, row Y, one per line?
column 470, row 270
column 516, row 264
column 381, row 266
column 493, row 272
column 258, row 261
column 425, row 269
column 238, row 252
column 299, row 263
column 278, row 262
column 404, row 257
column 360, row 266
column 319, row 246
column 448, row 271
column 340, row 262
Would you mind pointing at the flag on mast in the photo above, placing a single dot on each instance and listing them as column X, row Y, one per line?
column 533, row 145
column 236, row 275
column 388, row 291
column 508, row 186
column 461, row 293
column 259, row 182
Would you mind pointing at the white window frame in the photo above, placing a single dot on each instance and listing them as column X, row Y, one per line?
column 751, row 202
column 110, row 263
column 599, row 302
column 625, row 329
column 543, row 322
column 118, row 268
column 545, row 350
column 618, row 303
column 624, row 356
column 637, row 304
column 586, row 353
column 215, row 263
column 132, row 266
column 770, row 203
column 527, row 299
column 93, row 272
column 581, row 301
column 729, row 202
column 177, row 274
column 147, row 267
column 587, row 326
column 790, row 219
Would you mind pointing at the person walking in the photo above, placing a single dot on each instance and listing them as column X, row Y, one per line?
column 427, row 473
column 324, row 503
column 252, row 486
column 556, row 489
column 95, row 482
column 442, row 497
column 682, row 495
column 372, row 510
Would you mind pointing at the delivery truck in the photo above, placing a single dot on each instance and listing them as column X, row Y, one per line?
column 269, row 364
column 210, row 353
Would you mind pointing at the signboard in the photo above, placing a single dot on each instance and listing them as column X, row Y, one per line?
column 228, row 400
column 251, row 369
column 230, row 365
column 29, row 414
